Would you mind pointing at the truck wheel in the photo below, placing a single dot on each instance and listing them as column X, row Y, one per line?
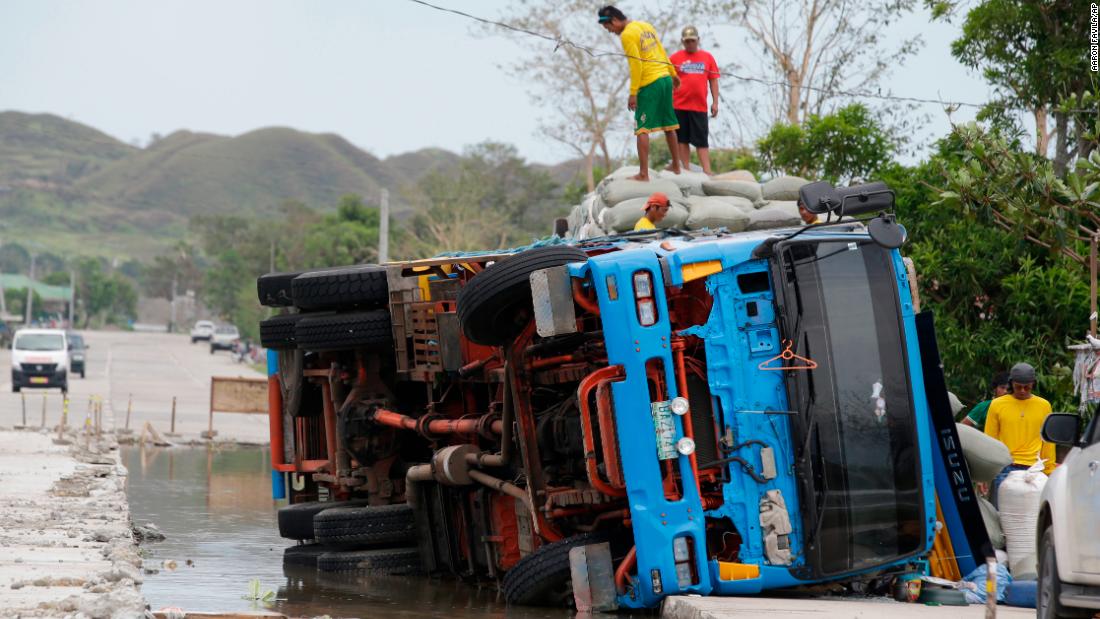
column 344, row 331
column 65, row 387
column 344, row 287
column 542, row 578
column 304, row 554
column 369, row 525
column 273, row 289
column 1049, row 605
column 14, row 388
column 496, row 303
column 277, row 332
column 296, row 520
column 398, row 561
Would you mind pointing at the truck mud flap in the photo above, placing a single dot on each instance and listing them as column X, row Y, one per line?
column 961, row 514
column 593, row 577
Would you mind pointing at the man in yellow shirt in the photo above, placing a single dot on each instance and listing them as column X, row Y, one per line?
column 652, row 80
column 1016, row 420
column 656, row 207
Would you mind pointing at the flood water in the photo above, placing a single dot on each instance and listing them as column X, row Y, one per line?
column 215, row 507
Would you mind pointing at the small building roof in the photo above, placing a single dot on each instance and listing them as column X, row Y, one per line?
column 46, row 292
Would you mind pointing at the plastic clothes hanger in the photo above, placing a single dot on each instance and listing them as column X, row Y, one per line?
column 788, row 355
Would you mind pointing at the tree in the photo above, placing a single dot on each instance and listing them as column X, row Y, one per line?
column 181, row 269
column 584, row 92
column 1022, row 193
column 492, row 199
column 104, row 297
column 816, row 47
column 839, row 147
column 350, row 236
column 1035, row 54
column 997, row 298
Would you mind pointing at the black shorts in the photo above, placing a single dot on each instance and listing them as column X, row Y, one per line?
column 693, row 128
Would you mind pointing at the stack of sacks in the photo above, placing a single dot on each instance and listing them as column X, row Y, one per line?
column 623, row 216
column 775, row 214
column 690, row 183
column 737, row 202
column 783, row 188
column 619, row 191
column 730, row 212
column 733, row 200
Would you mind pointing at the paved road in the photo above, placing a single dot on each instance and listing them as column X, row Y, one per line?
column 150, row 368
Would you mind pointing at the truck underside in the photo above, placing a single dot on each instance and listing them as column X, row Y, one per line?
column 724, row 423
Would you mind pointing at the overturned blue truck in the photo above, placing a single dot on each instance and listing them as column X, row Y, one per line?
column 616, row 420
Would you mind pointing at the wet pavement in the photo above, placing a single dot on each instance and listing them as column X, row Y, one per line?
column 215, row 507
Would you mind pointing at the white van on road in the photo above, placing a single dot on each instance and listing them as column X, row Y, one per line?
column 40, row 358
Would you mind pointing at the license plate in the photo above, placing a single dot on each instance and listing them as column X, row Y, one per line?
column 664, row 429
column 39, row 380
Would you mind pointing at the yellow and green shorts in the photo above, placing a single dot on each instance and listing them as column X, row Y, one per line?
column 654, row 109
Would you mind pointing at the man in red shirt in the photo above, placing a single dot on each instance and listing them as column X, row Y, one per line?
column 696, row 69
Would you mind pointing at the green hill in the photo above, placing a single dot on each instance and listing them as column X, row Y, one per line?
column 73, row 189
column 43, row 150
column 201, row 174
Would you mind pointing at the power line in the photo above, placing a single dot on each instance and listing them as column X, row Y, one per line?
column 563, row 42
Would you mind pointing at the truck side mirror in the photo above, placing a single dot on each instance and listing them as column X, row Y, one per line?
column 1060, row 428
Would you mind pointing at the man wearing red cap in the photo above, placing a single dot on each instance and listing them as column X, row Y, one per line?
column 656, row 207
column 698, row 71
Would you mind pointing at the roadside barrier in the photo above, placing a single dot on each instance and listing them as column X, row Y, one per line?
column 235, row 395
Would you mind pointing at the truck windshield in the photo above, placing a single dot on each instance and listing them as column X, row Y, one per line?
column 39, row 341
column 857, row 424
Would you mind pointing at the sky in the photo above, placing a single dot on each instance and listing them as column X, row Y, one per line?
column 389, row 75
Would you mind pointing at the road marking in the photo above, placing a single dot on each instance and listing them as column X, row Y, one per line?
column 186, row 370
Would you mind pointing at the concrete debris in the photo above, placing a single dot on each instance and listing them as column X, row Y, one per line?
column 147, row 532
column 69, row 550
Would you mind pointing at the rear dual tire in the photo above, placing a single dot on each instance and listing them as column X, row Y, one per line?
column 393, row 561
column 346, row 331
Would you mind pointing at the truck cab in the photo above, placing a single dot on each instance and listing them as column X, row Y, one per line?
column 630, row 417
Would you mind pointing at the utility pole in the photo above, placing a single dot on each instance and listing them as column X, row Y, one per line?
column 3, row 302
column 1092, row 281
column 172, row 320
column 384, row 228
column 30, row 294
column 72, row 296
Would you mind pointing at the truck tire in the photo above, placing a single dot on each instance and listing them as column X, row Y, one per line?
column 495, row 306
column 396, row 561
column 361, row 286
column 1048, row 604
column 296, row 520
column 369, row 525
column 344, row 331
column 304, row 554
column 277, row 332
column 542, row 578
column 273, row 289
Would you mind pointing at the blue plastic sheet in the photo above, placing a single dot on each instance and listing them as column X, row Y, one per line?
column 1022, row 593
column 977, row 577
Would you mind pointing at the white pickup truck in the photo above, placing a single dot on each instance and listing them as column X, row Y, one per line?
column 1068, row 539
